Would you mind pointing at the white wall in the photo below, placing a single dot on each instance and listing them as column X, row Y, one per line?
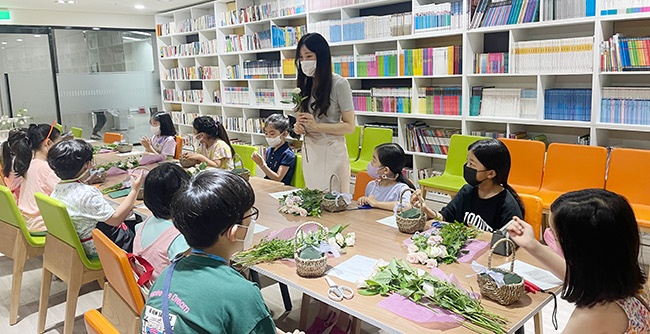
column 79, row 19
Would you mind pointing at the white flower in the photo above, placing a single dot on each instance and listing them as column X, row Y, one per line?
column 361, row 283
column 350, row 239
column 288, row 201
column 434, row 240
column 331, row 241
column 378, row 266
column 192, row 170
column 412, row 258
column 421, row 272
column 340, row 239
column 443, row 249
column 431, row 263
column 334, row 245
column 428, row 289
column 296, row 90
column 412, row 248
column 422, row 257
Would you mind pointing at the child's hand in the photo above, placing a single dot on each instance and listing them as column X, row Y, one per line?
column 137, row 179
column 192, row 155
column 416, row 200
column 363, row 200
column 372, row 201
column 257, row 159
column 145, row 142
column 521, row 233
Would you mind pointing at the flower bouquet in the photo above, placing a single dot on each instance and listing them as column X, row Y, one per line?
column 6, row 123
column 129, row 163
column 443, row 245
column 428, row 291
column 109, row 147
column 197, row 169
column 303, row 202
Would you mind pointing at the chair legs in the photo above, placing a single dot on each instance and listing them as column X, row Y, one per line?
column 20, row 256
column 46, row 285
column 74, row 285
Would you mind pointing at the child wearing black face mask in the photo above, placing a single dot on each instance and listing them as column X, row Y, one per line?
column 486, row 201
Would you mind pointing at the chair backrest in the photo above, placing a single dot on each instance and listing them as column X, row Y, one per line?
column 118, row 271
column 353, row 142
column 371, row 138
column 58, row 223
column 111, row 137
column 11, row 215
column 245, row 151
column 77, row 132
column 534, row 211
column 96, row 323
column 360, row 184
column 527, row 164
column 572, row 167
column 627, row 173
column 298, row 180
column 59, row 127
column 457, row 153
column 179, row 147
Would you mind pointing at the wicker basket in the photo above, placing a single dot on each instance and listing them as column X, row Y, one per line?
column 187, row 162
column 243, row 171
column 337, row 204
column 508, row 293
column 97, row 177
column 124, row 146
column 409, row 225
column 308, row 267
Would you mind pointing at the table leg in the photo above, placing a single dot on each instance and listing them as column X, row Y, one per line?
column 304, row 311
column 539, row 326
column 356, row 326
column 286, row 297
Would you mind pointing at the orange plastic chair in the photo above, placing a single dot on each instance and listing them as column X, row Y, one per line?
column 123, row 301
column 96, row 323
column 625, row 167
column 111, row 137
column 534, row 212
column 571, row 167
column 527, row 164
column 179, row 147
column 360, row 184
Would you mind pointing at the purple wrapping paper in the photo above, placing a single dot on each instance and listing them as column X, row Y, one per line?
column 115, row 171
column 148, row 159
column 104, row 150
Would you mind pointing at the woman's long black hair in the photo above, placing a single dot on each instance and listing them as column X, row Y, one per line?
column 320, row 86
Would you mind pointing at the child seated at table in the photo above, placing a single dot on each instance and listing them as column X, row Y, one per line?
column 486, row 202
column 9, row 151
column 156, row 239
column 213, row 143
column 598, row 234
column 72, row 160
column 280, row 161
column 386, row 169
column 163, row 139
column 203, row 293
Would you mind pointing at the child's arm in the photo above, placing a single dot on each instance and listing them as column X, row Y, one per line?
column 146, row 143
column 202, row 158
column 275, row 176
column 522, row 233
column 124, row 209
column 418, row 202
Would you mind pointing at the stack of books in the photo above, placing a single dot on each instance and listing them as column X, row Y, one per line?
column 625, row 105
column 567, row 104
column 439, row 100
column 380, row 64
column 439, row 16
column 247, row 14
column 568, row 9
column 393, row 100
column 444, row 60
column 620, row 53
column 289, row 68
column 343, row 66
column 287, row 36
column 490, row 13
column 264, row 96
column 566, row 55
column 189, row 49
column 615, row 7
column 488, row 63
column 262, row 69
column 508, row 103
column 421, row 137
column 236, row 95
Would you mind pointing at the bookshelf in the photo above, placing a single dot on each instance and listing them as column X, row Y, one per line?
column 248, row 46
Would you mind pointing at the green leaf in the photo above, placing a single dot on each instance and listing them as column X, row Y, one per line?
column 366, row 292
column 411, row 213
column 382, row 277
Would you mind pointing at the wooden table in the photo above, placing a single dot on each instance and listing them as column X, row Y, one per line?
column 376, row 240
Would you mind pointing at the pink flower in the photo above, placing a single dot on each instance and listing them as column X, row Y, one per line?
column 412, row 248
column 431, row 263
column 412, row 258
column 422, row 257
column 302, row 212
column 436, row 238
column 288, row 201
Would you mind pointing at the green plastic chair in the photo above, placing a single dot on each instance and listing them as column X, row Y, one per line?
column 245, row 152
column 59, row 127
column 77, row 132
column 353, row 141
column 17, row 244
column 298, row 179
column 64, row 257
column 452, row 179
column 371, row 138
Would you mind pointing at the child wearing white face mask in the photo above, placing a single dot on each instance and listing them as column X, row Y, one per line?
column 280, row 161
column 386, row 166
column 213, row 143
column 163, row 139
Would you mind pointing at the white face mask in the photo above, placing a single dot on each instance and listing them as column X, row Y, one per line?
column 155, row 130
column 308, row 67
column 274, row 141
column 250, row 234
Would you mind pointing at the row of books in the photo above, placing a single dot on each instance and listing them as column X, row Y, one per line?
column 233, row 72
column 424, row 173
column 287, row 36
column 490, row 13
column 189, row 49
column 392, row 100
column 236, row 95
column 444, row 60
column 192, row 73
column 257, row 41
column 422, row 137
column 343, row 66
column 494, row 62
column 565, row 55
column 489, row 133
column 365, row 27
column 380, row 64
column 289, row 68
column 614, row 7
column 508, row 103
column 625, row 105
column 249, row 125
column 568, row 9
column 446, row 15
column 567, row 104
column 264, row 96
column 248, row 14
column 326, row 4
column 187, row 25
column 440, row 100
column 179, row 117
column 262, row 69
column 194, row 95
column 620, row 53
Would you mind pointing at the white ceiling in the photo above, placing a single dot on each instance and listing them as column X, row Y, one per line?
column 101, row 6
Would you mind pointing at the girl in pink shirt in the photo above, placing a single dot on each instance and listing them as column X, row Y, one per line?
column 29, row 155
column 163, row 140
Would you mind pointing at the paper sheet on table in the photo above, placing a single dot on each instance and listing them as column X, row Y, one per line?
column 259, row 228
column 544, row 279
column 388, row 221
column 279, row 194
column 351, row 269
column 90, row 141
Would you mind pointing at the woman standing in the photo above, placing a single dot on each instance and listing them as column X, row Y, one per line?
column 327, row 115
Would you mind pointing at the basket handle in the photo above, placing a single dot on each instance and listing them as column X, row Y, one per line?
column 401, row 195
column 295, row 234
column 337, row 179
column 234, row 161
column 125, row 137
column 512, row 244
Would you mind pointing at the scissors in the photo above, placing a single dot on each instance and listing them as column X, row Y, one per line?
column 338, row 293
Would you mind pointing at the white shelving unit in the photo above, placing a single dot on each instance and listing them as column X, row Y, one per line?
column 600, row 28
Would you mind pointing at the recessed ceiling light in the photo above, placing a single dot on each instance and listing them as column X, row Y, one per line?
column 72, row 2
column 95, row 28
column 139, row 6
column 37, row 35
column 59, row 1
column 4, row 43
column 140, row 33
column 3, row 47
column 18, row 40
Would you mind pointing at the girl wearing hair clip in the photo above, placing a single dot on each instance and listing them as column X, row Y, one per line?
column 214, row 144
column 280, row 161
